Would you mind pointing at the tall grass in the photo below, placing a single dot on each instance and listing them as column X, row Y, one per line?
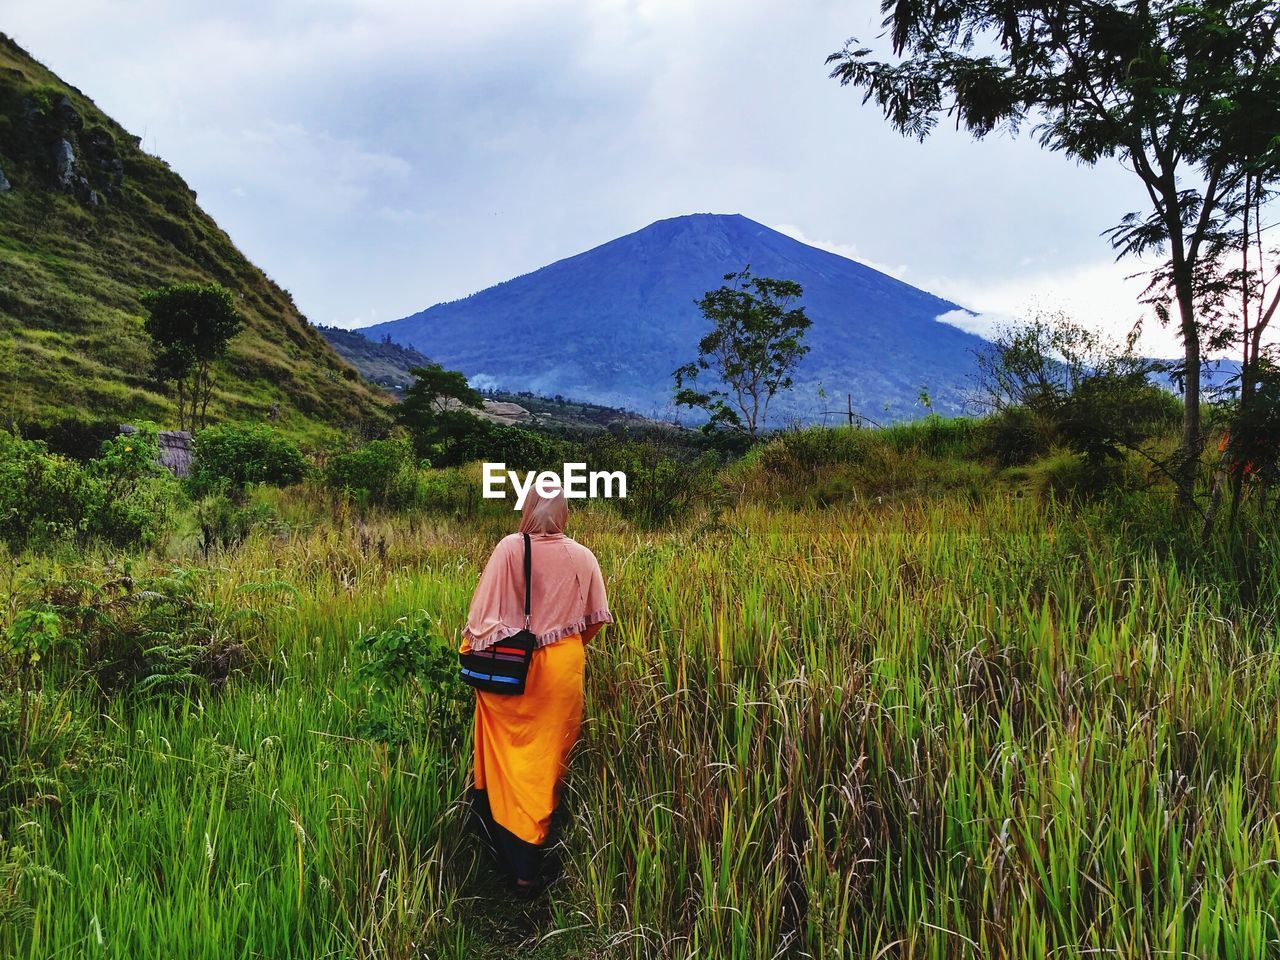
column 946, row 727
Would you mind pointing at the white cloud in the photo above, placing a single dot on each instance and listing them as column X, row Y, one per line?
column 848, row 250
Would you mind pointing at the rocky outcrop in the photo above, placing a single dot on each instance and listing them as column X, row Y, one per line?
column 499, row 411
column 83, row 162
column 175, row 449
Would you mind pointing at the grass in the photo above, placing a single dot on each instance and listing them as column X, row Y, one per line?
column 932, row 727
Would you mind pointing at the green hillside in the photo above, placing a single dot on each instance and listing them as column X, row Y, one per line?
column 88, row 221
column 381, row 362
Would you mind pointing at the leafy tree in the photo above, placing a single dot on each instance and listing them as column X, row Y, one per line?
column 1091, row 395
column 753, row 348
column 1185, row 94
column 190, row 325
column 436, row 408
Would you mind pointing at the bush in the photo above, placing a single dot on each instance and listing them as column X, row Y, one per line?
column 382, row 471
column 1012, row 437
column 225, row 521
column 237, row 454
column 72, row 437
column 135, row 498
column 826, row 467
column 44, row 498
column 660, row 488
column 1071, row 477
column 149, row 639
column 518, row 448
column 123, row 497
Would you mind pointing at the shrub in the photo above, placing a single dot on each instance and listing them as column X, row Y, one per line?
column 237, row 454
column 1070, row 477
column 72, row 437
column 43, row 497
column 149, row 639
column 413, row 654
column 381, row 471
column 225, row 521
column 825, row 467
column 135, row 498
column 518, row 448
column 1012, row 437
column 123, row 497
column 660, row 488
column 1094, row 395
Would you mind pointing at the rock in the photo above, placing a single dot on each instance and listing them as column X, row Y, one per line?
column 502, row 412
column 67, row 114
column 174, row 452
column 5, row 185
column 64, row 165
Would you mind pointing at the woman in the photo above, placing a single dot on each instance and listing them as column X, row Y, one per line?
column 522, row 742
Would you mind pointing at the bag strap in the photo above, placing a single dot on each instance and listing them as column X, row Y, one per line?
column 528, row 574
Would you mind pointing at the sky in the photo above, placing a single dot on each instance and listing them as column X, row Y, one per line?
column 378, row 156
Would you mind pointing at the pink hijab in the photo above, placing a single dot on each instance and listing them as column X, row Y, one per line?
column 567, row 592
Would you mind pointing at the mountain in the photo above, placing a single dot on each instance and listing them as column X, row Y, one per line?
column 88, row 221
column 381, row 362
column 611, row 324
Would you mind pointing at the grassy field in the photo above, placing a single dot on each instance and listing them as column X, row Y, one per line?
column 960, row 725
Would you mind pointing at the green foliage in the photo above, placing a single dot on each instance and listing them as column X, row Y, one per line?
column 190, row 325
column 72, row 437
column 381, row 471
column 1069, row 477
column 1013, row 436
column 225, row 521
column 149, row 639
column 435, row 410
column 1183, row 94
column 753, row 347
column 122, row 497
column 135, row 499
column 661, row 488
column 517, row 447
column 1252, row 444
column 240, row 454
column 1092, row 396
column 412, row 655
column 846, row 465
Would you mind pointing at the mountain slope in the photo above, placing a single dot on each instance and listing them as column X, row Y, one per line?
column 87, row 222
column 611, row 324
column 381, row 362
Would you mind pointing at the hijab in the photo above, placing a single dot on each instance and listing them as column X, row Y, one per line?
column 567, row 592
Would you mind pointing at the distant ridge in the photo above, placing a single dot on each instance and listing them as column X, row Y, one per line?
column 611, row 324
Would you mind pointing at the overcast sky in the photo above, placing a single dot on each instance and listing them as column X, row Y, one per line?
column 379, row 156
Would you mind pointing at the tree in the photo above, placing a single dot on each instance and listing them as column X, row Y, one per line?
column 436, row 408
column 1185, row 94
column 752, row 350
column 190, row 325
column 1092, row 395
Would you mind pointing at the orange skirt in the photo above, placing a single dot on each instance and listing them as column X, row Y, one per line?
column 522, row 743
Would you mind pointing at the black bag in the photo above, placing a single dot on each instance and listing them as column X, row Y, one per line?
column 504, row 667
